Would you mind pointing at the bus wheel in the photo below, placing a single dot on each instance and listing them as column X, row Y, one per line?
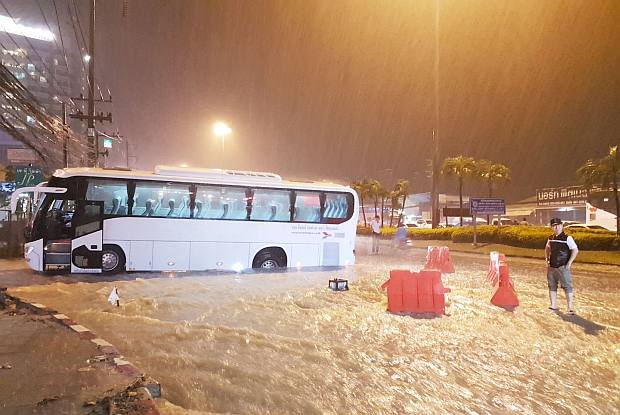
column 112, row 259
column 269, row 260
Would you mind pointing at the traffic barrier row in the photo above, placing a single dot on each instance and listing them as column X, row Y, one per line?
column 415, row 292
column 423, row 292
column 438, row 258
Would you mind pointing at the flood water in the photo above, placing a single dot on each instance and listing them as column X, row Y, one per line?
column 284, row 343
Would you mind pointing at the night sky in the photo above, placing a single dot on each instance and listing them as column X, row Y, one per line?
column 344, row 90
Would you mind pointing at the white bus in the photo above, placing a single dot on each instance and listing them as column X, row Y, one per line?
column 93, row 220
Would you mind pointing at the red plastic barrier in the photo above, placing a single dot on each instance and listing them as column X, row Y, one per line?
column 438, row 257
column 504, row 295
column 395, row 290
column 416, row 292
column 496, row 258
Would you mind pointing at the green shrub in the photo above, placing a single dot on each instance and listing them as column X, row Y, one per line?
column 525, row 237
column 520, row 236
column 596, row 242
column 430, row 234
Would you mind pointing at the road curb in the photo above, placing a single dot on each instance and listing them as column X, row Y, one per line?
column 136, row 398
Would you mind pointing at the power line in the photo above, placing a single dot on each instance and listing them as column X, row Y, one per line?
column 77, row 40
column 19, row 64
column 65, row 93
column 77, row 16
column 42, row 132
column 59, row 31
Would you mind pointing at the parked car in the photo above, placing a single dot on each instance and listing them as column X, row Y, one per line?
column 505, row 222
column 470, row 222
column 424, row 223
column 584, row 226
column 571, row 222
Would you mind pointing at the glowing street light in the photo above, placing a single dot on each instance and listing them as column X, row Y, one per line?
column 221, row 130
column 86, row 58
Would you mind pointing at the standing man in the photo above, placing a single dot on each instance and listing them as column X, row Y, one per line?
column 560, row 253
column 375, row 224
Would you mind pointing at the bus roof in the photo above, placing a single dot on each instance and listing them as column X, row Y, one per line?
column 197, row 175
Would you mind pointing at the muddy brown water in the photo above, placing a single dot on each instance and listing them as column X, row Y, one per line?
column 284, row 343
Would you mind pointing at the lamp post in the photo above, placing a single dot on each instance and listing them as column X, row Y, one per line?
column 221, row 130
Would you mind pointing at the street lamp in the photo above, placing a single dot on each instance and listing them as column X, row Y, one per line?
column 221, row 130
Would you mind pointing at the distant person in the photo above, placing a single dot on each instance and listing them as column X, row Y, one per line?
column 375, row 224
column 560, row 252
column 401, row 235
column 524, row 222
column 114, row 297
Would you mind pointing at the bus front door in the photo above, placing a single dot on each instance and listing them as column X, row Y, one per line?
column 87, row 240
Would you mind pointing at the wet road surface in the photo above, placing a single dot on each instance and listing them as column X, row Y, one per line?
column 260, row 343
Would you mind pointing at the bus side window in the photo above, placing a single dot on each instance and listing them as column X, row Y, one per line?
column 208, row 202
column 271, row 205
column 336, row 207
column 307, row 207
column 113, row 194
column 198, row 209
column 183, row 210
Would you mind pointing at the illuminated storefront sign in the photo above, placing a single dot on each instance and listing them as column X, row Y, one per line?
column 569, row 195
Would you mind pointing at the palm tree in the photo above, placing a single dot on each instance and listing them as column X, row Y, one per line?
column 403, row 188
column 394, row 198
column 460, row 167
column 492, row 173
column 606, row 172
column 374, row 188
column 383, row 194
column 362, row 191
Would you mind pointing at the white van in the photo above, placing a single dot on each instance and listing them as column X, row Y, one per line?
column 505, row 222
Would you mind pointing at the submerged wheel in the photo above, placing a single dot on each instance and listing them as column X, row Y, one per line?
column 269, row 260
column 112, row 259
column 269, row 263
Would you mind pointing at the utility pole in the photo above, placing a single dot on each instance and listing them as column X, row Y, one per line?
column 65, row 143
column 93, row 142
column 435, row 163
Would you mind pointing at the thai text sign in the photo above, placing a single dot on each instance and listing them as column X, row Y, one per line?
column 568, row 195
column 487, row 206
column 27, row 176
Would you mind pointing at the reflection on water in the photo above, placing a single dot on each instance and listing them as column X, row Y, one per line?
column 284, row 343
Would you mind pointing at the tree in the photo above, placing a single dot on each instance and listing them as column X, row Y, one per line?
column 493, row 174
column 383, row 194
column 394, row 199
column 460, row 167
column 374, row 188
column 605, row 172
column 402, row 187
column 7, row 173
column 362, row 191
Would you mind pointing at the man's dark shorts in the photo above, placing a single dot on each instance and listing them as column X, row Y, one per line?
column 560, row 275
